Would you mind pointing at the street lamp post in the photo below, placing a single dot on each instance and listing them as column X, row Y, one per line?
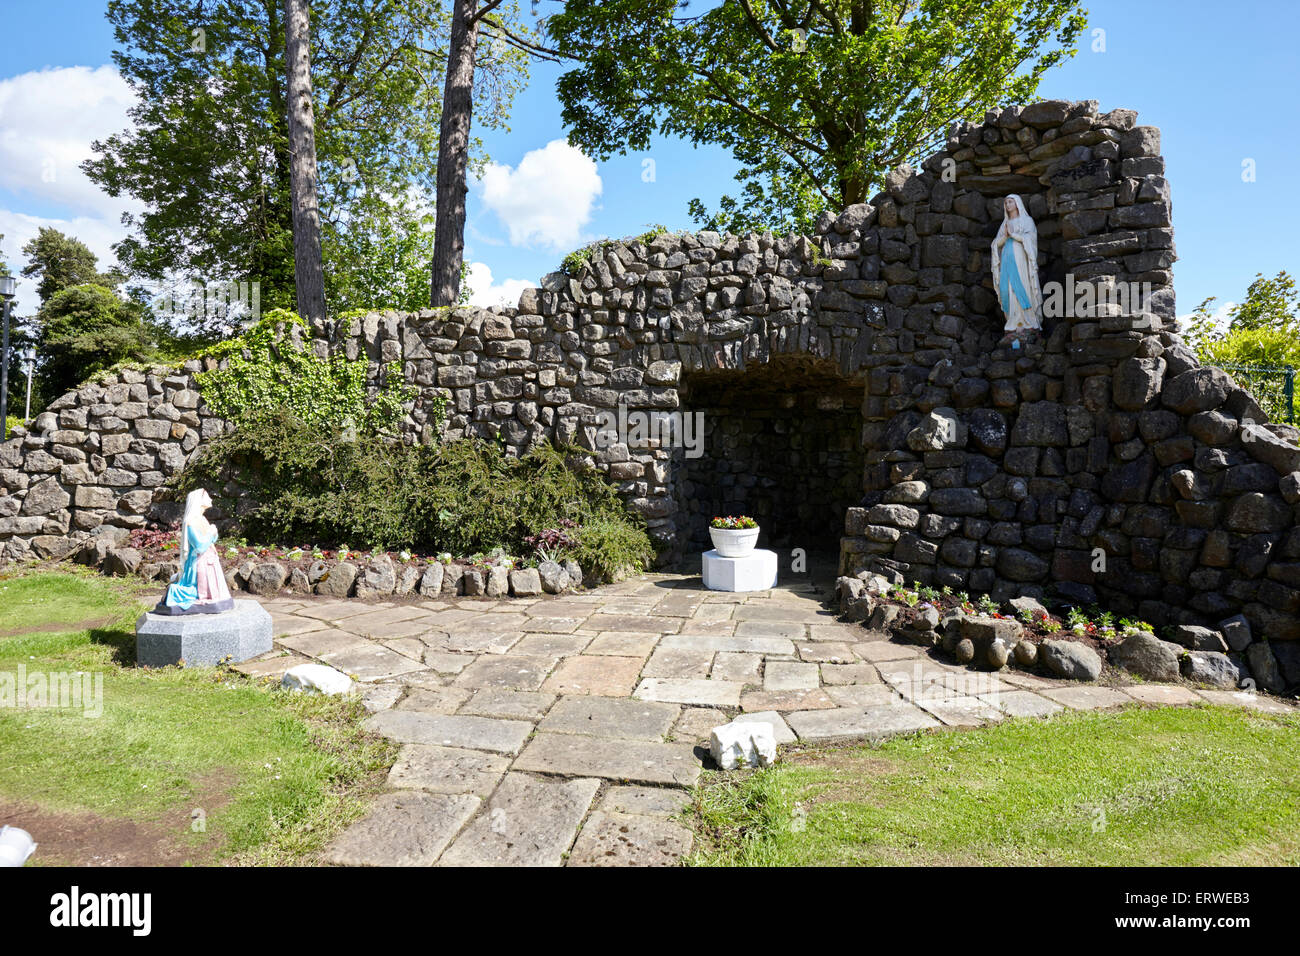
column 8, row 286
column 29, row 356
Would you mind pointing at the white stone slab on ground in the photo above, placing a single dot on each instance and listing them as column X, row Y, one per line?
column 756, row 571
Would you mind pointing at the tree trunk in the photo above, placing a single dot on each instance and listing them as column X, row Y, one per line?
column 453, row 156
column 309, row 277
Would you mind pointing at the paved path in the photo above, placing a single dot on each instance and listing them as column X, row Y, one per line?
column 567, row 730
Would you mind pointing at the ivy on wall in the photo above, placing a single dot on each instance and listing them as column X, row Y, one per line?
column 267, row 370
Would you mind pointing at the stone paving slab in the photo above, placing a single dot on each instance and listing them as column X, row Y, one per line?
column 270, row 665
column 475, row 733
column 552, row 645
column 878, row 652
column 834, row 675
column 681, row 663
column 287, row 625
column 722, row 642
column 791, row 675
column 610, row 717
column 592, row 674
column 491, row 641
column 319, row 643
column 784, row 700
column 639, row 761
column 645, row 801
column 620, row 839
column 863, row 696
column 876, row 723
column 435, row 700
column 447, row 770
column 705, row 693
column 624, row 644
column 1233, row 698
column 826, row 652
column 962, row 711
column 370, row 662
column 1086, row 697
column 409, row 828
column 506, row 672
column 696, row 723
column 446, row 662
column 1021, row 703
column 1167, row 694
column 736, row 667
column 530, row 821
column 512, row 704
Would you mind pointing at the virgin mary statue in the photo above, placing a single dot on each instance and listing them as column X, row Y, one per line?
column 199, row 587
column 1015, row 270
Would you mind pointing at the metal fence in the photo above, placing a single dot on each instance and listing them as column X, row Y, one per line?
column 1273, row 388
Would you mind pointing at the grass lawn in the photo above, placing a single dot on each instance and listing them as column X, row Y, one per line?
column 274, row 775
column 1141, row 786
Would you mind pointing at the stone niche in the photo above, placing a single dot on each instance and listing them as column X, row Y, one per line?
column 782, row 443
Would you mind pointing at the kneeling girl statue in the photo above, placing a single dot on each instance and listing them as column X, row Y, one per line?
column 1015, row 272
column 200, row 585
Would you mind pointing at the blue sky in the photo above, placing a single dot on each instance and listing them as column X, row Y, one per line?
column 1219, row 81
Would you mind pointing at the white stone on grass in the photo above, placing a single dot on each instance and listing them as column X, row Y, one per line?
column 316, row 679
column 748, row 742
column 756, row 571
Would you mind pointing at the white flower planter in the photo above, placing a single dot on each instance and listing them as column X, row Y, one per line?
column 734, row 542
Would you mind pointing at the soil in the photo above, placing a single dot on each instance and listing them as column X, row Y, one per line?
column 83, row 838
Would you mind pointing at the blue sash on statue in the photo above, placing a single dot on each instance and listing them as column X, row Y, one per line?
column 1009, row 275
column 186, row 589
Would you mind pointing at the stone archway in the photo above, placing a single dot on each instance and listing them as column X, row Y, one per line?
column 782, row 442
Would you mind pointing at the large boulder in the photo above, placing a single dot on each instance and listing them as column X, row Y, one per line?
column 1147, row 656
column 1197, row 390
column 1137, row 382
column 525, row 582
column 1265, row 446
column 338, row 580
column 1070, row 659
column 1198, row 638
column 431, row 580
column 1210, row 667
column 123, row 561
column 938, row 430
column 267, row 579
column 379, row 577
column 1264, row 668
column 554, row 578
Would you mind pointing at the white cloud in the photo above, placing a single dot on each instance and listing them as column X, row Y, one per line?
column 49, row 119
column 485, row 294
column 547, row 198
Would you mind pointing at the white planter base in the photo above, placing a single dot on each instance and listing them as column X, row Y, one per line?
column 756, row 571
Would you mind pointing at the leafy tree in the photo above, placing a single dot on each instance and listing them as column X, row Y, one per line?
column 85, row 329
column 61, row 261
column 208, row 150
column 1269, row 303
column 816, row 99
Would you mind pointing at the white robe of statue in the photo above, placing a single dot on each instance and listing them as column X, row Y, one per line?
column 1015, row 249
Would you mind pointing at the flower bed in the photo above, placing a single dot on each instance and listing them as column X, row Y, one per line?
column 1075, row 642
column 342, row 572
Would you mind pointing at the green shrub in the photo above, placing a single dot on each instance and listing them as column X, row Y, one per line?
column 309, row 484
column 11, row 422
column 611, row 548
column 266, row 371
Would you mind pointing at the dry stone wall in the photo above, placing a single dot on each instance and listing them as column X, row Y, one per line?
column 1101, row 461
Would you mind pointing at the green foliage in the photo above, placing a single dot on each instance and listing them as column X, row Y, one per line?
column 268, row 374
column 85, row 329
column 309, row 483
column 816, row 101
column 61, row 262
column 1261, row 340
column 207, row 149
column 612, row 548
column 11, row 422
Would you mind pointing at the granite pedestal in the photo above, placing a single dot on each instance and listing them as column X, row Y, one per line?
column 203, row 639
column 756, row 571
